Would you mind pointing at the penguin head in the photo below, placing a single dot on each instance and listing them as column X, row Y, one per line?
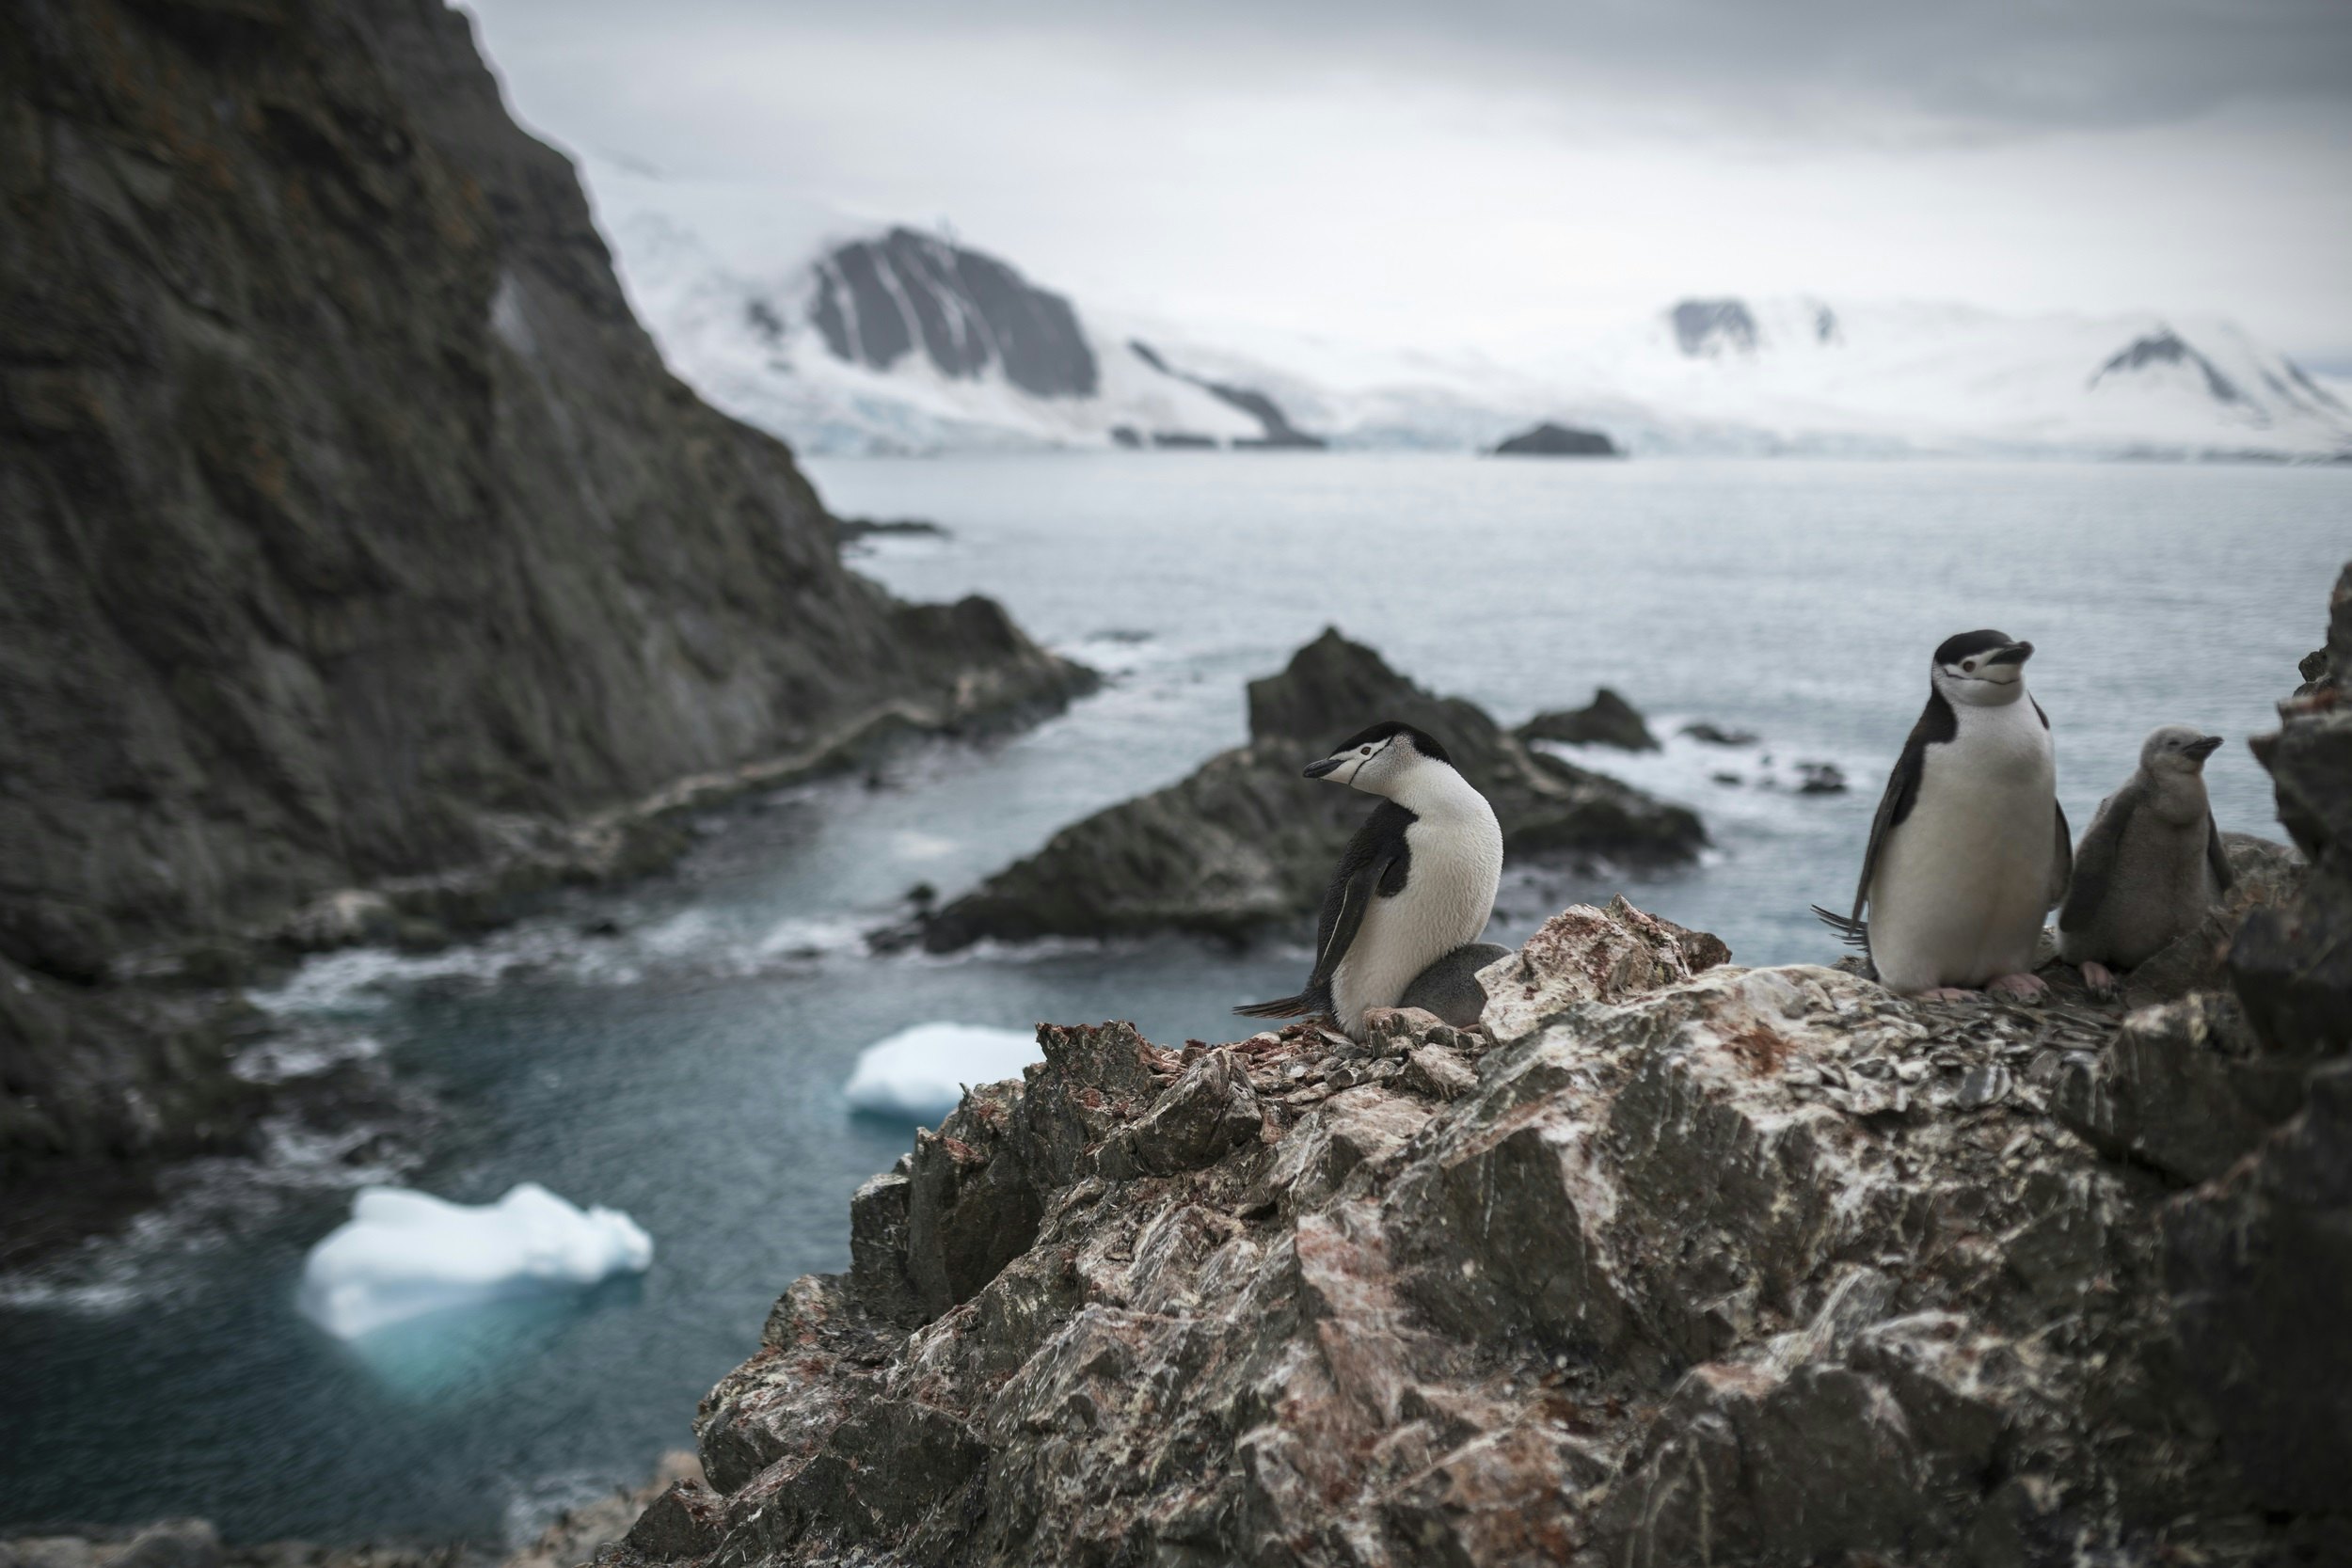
column 2176, row 749
column 1378, row 759
column 1982, row 669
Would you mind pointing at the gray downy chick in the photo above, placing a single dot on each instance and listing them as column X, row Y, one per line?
column 2150, row 865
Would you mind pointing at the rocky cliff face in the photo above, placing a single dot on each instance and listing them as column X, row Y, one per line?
column 1665, row 1262
column 354, row 529
column 1246, row 843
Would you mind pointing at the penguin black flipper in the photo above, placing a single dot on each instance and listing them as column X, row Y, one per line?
column 2087, row 888
column 2063, row 865
column 1376, row 863
column 2217, row 856
column 1937, row 725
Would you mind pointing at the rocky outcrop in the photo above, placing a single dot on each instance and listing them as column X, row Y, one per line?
column 355, row 533
column 1668, row 1263
column 1608, row 719
column 1557, row 440
column 878, row 300
column 1246, row 843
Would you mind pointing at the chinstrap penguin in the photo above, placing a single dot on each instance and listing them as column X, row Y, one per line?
column 1969, row 848
column 2150, row 864
column 1417, row 882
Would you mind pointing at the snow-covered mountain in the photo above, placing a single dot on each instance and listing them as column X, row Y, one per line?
column 893, row 339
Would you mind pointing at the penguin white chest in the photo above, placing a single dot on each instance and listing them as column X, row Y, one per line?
column 1963, row 881
column 1448, row 897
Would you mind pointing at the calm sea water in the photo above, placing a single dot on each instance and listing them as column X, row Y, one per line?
column 688, row 1069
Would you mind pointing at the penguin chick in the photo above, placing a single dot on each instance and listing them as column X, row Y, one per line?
column 2148, row 866
column 1969, row 848
column 1417, row 881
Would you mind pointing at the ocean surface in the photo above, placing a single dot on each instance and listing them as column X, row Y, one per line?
column 685, row 1067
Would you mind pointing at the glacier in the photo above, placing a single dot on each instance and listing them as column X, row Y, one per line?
column 919, row 1073
column 404, row 1254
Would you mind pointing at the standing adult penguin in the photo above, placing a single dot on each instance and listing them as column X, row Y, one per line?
column 2150, row 864
column 1969, row 848
column 1417, row 882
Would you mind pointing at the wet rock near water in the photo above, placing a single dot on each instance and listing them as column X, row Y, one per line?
column 1665, row 1261
column 1245, row 843
column 1608, row 719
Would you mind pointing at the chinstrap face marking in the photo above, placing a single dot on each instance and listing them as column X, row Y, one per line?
column 1980, row 668
column 1379, row 759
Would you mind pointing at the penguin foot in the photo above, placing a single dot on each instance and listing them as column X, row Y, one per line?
column 1948, row 993
column 2099, row 980
column 2020, row 987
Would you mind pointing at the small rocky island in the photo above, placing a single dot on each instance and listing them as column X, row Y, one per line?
column 1245, row 843
column 1558, row 440
column 1664, row 1261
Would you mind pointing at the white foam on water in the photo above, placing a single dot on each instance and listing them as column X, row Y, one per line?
column 404, row 1254
column 920, row 1072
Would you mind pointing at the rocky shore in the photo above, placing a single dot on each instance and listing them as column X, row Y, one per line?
column 368, row 573
column 1666, row 1261
column 1245, row 843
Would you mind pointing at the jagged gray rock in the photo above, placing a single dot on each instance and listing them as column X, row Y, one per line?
column 1677, row 1262
column 1246, row 843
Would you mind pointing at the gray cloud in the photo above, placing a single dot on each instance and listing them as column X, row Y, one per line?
column 1961, row 67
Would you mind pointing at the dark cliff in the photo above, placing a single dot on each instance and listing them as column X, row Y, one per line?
column 353, row 528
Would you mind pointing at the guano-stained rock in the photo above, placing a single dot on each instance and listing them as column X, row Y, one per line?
column 1697, row 1264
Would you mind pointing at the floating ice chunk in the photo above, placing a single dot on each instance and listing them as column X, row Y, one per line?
column 402, row 1253
column 919, row 1072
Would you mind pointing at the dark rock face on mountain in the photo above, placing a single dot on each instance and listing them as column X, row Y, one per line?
column 1608, row 719
column 353, row 531
column 879, row 300
column 1279, row 432
column 1667, row 1262
column 1557, row 440
column 2164, row 347
column 1710, row 328
column 1246, row 843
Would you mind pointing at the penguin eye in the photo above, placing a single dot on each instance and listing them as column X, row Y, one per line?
column 1967, row 664
column 1364, row 750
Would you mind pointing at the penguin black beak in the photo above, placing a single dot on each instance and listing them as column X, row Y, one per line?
column 2016, row 653
column 2201, row 749
column 1318, row 770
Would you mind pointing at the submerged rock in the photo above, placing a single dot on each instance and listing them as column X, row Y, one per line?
column 1246, row 843
column 1667, row 1262
column 1608, row 719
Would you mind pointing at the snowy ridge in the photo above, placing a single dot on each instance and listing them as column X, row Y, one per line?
column 885, row 340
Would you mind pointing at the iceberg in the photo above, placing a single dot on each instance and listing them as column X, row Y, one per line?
column 403, row 1254
column 919, row 1072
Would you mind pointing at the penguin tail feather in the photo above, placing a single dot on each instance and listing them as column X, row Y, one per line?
column 1853, row 932
column 1288, row 1006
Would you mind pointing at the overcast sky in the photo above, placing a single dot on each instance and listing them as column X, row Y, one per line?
column 1490, row 172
